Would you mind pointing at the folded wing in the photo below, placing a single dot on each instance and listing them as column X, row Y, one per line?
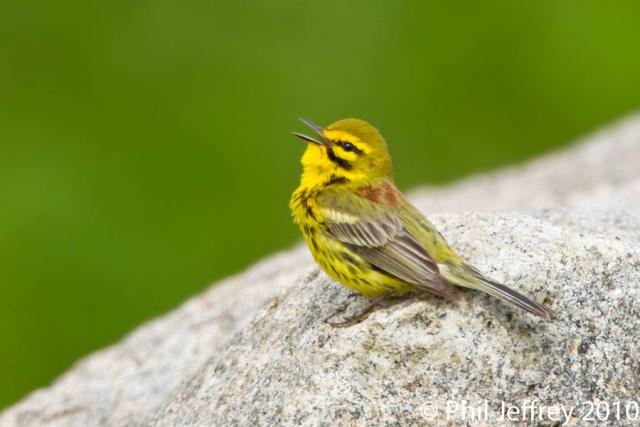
column 376, row 232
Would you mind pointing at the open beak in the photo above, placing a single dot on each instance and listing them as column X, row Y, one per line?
column 317, row 129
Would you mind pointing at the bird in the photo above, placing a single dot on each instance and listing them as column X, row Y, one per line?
column 365, row 234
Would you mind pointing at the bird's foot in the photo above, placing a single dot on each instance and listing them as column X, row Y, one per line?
column 384, row 300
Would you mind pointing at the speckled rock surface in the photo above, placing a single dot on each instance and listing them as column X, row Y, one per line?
column 288, row 367
column 253, row 349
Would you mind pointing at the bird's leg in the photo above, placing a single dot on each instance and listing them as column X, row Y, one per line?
column 380, row 301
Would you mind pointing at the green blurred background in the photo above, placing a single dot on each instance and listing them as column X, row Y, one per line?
column 145, row 147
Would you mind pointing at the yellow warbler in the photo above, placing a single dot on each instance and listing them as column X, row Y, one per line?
column 365, row 234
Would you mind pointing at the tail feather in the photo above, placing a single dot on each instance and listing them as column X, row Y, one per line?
column 474, row 280
column 507, row 294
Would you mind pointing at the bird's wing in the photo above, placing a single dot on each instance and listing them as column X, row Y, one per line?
column 375, row 231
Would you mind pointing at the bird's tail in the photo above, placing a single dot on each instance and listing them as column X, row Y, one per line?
column 468, row 277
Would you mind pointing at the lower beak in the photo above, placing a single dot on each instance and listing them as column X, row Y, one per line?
column 306, row 138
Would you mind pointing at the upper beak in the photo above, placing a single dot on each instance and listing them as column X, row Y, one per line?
column 317, row 129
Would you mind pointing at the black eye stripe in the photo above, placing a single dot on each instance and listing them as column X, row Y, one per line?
column 344, row 164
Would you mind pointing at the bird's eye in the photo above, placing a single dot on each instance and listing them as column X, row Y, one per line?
column 347, row 146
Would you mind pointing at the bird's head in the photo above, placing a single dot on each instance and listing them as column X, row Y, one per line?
column 349, row 151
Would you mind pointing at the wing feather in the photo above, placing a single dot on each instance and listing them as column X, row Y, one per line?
column 377, row 234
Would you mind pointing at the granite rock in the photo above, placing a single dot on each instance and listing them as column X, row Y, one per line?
column 287, row 367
